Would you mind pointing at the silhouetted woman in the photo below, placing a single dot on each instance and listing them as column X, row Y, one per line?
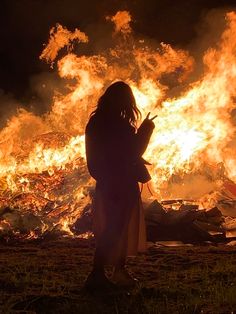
column 114, row 150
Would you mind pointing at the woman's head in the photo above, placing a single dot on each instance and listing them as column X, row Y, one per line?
column 118, row 101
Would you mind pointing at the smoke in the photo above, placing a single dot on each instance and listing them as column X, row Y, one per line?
column 43, row 87
column 191, row 187
column 8, row 107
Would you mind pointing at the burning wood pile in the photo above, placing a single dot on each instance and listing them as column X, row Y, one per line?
column 45, row 202
column 45, row 189
column 190, row 224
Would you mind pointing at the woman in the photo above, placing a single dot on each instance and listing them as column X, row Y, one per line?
column 114, row 150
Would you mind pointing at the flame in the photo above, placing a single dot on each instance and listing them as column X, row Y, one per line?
column 121, row 21
column 42, row 158
column 59, row 38
column 196, row 127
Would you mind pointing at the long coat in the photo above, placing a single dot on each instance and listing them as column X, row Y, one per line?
column 113, row 150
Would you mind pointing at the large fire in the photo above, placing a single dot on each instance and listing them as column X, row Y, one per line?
column 42, row 159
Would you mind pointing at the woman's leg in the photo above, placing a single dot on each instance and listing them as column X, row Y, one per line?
column 130, row 238
column 97, row 279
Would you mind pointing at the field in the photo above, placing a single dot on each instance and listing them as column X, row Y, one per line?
column 48, row 276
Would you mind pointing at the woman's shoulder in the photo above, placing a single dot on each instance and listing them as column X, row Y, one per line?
column 92, row 124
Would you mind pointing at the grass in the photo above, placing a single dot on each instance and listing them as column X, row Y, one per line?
column 48, row 278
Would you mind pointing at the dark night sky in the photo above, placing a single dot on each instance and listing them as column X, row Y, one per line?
column 25, row 27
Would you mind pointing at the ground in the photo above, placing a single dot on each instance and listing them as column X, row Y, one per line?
column 48, row 276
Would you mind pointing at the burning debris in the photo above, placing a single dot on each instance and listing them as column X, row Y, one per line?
column 44, row 183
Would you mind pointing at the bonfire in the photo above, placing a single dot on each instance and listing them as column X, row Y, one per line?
column 45, row 187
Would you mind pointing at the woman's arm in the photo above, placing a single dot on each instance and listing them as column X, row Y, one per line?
column 143, row 136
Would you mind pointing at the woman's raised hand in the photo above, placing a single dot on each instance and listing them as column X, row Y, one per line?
column 151, row 119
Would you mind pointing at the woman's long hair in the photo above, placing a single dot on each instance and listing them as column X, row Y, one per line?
column 118, row 101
